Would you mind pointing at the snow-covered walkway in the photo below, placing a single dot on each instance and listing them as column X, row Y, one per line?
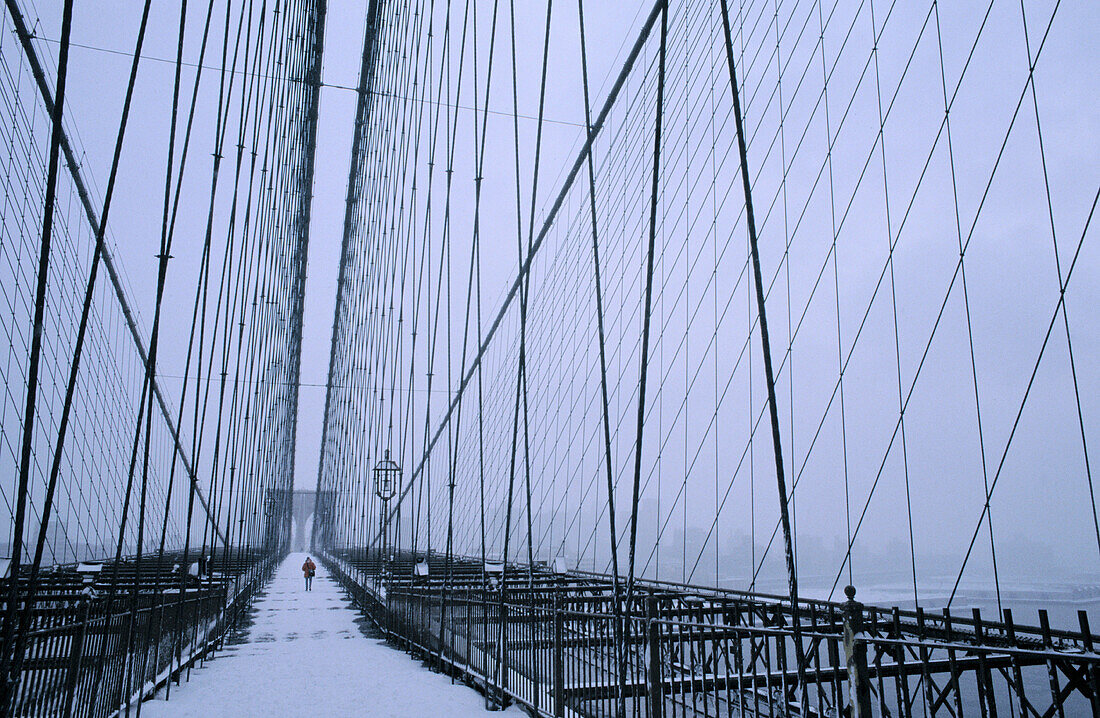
column 305, row 655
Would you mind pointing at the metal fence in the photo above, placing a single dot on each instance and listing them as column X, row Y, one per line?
column 102, row 640
column 561, row 644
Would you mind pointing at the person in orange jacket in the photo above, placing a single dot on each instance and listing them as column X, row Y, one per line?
column 309, row 569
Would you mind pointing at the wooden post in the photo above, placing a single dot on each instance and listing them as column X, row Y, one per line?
column 655, row 697
column 855, row 649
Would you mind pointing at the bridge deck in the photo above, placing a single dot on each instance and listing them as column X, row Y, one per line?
column 305, row 654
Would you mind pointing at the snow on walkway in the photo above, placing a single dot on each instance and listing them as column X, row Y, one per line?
column 305, row 655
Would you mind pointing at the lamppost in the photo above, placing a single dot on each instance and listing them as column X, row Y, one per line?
column 387, row 475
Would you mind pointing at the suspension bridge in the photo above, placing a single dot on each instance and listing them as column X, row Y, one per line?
column 699, row 358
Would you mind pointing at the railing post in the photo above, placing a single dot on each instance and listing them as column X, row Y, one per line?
column 466, row 607
column 76, row 656
column 1090, row 669
column 855, row 650
column 503, row 663
column 559, row 664
column 655, row 697
column 387, row 622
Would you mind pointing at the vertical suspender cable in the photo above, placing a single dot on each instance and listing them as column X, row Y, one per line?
column 94, row 222
column 769, row 376
column 644, row 364
column 604, row 404
column 8, row 678
column 70, row 389
column 540, row 237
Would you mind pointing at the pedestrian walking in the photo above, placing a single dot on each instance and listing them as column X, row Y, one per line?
column 309, row 570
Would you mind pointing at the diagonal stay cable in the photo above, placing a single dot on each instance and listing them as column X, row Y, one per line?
column 792, row 575
column 9, row 670
column 1058, row 307
column 73, row 166
column 1061, row 284
column 958, row 266
column 535, row 246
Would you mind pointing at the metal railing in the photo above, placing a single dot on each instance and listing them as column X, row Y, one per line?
column 98, row 644
column 551, row 642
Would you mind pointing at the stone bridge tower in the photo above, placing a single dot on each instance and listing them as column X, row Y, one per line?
column 305, row 504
